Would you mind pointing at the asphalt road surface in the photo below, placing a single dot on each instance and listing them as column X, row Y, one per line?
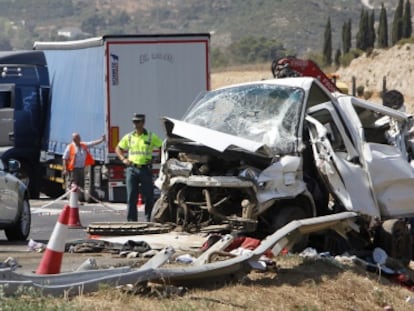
column 45, row 213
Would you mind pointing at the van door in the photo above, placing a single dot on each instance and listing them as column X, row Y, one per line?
column 383, row 141
column 339, row 162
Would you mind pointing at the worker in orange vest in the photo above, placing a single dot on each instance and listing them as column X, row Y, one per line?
column 75, row 158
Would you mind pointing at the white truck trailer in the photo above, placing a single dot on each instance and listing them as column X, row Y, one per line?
column 96, row 86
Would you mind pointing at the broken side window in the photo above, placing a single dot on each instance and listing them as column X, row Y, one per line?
column 374, row 124
column 381, row 127
column 334, row 134
column 316, row 96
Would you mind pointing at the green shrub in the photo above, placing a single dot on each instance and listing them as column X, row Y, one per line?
column 347, row 58
column 368, row 94
column 360, row 90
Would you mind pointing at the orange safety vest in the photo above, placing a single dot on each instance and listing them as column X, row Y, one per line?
column 70, row 164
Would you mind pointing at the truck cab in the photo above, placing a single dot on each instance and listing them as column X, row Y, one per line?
column 24, row 111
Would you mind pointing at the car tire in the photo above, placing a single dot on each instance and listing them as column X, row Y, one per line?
column 285, row 216
column 21, row 229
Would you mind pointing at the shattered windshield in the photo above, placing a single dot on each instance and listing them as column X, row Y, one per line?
column 260, row 112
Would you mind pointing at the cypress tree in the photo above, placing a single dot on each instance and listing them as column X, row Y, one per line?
column 327, row 45
column 337, row 59
column 346, row 36
column 344, row 33
column 366, row 33
column 359, row 43
column 383, row 28
column 371, row 30
column 362, row 40
column 407, row 27
column 396, row 33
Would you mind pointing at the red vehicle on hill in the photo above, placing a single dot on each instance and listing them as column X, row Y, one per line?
column 295, row 67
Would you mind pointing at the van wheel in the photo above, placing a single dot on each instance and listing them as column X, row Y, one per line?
column 395, row 239
column 285, row 216
column 160, row 212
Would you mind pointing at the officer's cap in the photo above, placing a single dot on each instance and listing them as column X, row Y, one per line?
column 138, row 117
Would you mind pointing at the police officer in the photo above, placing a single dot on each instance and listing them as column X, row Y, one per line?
column 139, row 144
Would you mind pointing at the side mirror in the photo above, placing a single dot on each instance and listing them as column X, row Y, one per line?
column 14, row 165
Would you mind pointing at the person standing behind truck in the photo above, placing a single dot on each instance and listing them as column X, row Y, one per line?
column 139, row 144
column 75, row 157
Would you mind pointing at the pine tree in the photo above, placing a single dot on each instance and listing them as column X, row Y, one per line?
column 346, row 36
column 407, row 27
column 327, row 45
column 397, row 22
column 383, row 28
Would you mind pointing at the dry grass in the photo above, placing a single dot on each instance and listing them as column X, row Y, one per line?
column 235, row 75
column 296, row 284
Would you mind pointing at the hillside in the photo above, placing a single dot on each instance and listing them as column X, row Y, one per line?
column 298, row 24
column 395, row 64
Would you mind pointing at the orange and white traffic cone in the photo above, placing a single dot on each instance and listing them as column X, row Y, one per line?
column 52, row 257
column 74, row 219
column 140, row 205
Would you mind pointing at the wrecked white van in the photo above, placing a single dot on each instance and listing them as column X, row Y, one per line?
column 252, row 157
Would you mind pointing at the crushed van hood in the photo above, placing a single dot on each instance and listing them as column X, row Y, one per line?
column 213, row 139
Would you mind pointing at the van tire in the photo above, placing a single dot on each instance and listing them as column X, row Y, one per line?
column 159, row 212
column 394, row 237
column 285, row 216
